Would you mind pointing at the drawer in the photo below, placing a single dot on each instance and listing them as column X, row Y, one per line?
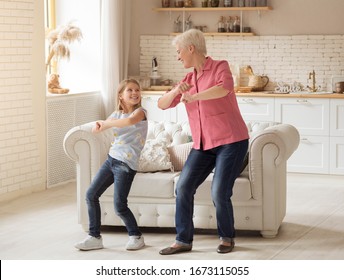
column 311, row 156
column 310, row 116
column 256, row 108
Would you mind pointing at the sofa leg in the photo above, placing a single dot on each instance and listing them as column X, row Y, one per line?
column 269, row 233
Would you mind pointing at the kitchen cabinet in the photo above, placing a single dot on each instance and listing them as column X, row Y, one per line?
column 176, row 114
column 257, row 108
column 150, row 103
column 311, row 117
column 241, row 10
column 319, row 120
column 336, row 136
column 336, row 155
column 337, row 117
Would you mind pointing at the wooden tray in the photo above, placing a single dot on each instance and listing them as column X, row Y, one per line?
column 243, row 89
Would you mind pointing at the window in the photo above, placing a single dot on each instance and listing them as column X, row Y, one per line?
column 81, row 73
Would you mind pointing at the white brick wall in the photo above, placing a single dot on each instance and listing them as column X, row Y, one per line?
column 282, row 58
column 19, row 156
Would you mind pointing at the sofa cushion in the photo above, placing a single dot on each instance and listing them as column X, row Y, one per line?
column 241, row 190
column 154, row 185
column 179, row 154
column 154, row 156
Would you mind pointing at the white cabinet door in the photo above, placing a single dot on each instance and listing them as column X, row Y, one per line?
column 337, row 155
column 256, row 108
column 310, row 116
column 311, row 156
column 154, row 113
column 337, row 117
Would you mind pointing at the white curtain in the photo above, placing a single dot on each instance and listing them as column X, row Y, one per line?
column 115, row 35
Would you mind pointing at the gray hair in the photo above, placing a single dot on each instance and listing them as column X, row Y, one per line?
column 192, row 37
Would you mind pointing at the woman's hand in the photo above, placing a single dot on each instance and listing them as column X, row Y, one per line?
column 183, row 87
column 187, row 98
column 166, row 100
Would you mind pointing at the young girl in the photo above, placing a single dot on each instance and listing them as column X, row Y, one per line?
column 129, row 124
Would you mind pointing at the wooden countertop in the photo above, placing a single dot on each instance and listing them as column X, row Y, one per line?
column 268, row 94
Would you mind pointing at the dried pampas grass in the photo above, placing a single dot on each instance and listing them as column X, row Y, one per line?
column 59, row 40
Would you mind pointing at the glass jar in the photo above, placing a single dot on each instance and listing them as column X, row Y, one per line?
column 241, row 3
column 228, row 3
column 214, row 3
column 221, row 25
column 165, row 3
column 187, row 3
column 229, row 25
column 177, row 26
column 179, row 3
column 188, row 23
column 236, row 24
column 261, row 3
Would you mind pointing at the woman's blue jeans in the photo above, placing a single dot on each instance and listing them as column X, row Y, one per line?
column 227, row 160
column 122, row 176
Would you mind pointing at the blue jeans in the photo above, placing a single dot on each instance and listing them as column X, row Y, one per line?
column 122, row 176
column 227, row 160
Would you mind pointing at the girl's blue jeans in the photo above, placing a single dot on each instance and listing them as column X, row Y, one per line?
column 121, row 175
column 227, row 161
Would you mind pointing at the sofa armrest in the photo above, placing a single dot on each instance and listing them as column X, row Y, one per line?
column 268, row 154
column 98, row 144
column 89, row 151
column 269, row 151
column 285, row 136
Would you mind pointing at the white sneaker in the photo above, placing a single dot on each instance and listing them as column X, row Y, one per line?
column 135, row 243
column 90, row 243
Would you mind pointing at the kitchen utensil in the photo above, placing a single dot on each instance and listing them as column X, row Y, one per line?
column 339, row 87
column 257, row 83
column 334, row 80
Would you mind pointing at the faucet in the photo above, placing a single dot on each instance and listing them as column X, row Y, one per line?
column 312, row 76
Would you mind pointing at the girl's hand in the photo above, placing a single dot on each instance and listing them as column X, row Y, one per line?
column 98, row 127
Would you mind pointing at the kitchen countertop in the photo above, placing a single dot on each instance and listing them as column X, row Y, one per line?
column 267, row 94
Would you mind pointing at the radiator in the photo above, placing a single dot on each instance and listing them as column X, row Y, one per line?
column 63, row 113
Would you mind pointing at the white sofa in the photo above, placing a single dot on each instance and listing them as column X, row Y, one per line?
column 259, row 195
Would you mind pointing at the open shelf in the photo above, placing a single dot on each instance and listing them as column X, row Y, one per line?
column 223, row 34
column 211, row 9
column 216, row 9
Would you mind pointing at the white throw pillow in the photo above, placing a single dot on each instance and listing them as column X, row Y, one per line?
column 155, row 156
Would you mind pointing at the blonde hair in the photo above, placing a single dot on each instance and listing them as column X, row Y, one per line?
column 192, row 37
column 121, row 87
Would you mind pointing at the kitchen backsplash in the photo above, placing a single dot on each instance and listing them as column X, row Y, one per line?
column 287, row 59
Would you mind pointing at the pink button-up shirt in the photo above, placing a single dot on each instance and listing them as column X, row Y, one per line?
column 218, row 121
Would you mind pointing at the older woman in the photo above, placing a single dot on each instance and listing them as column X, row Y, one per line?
column 220, row 139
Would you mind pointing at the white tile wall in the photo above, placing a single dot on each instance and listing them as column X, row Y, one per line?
column 286, row 59
column 19, row 156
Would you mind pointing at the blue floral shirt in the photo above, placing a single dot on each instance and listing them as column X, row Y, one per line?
column 128, row 141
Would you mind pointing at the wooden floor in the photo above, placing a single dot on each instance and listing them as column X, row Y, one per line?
column 43, row 226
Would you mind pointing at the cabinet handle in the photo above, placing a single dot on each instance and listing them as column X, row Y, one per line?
column 146, row 97
column 248, row 100
column 302, row 101
column 304, row 139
